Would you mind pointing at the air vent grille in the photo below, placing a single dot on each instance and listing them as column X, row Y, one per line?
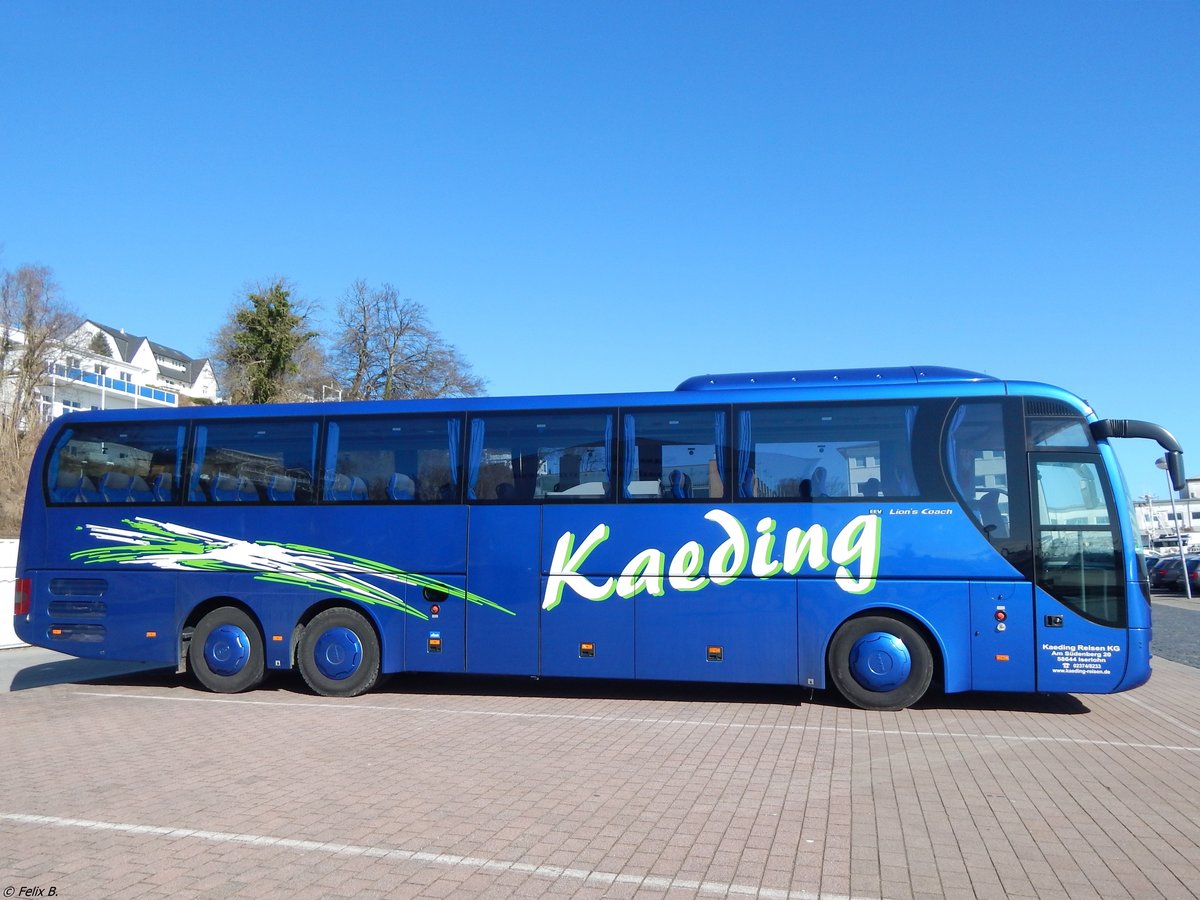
column 1038, row 406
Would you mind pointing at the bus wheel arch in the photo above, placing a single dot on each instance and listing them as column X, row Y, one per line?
column 222, row 643
column 883, row 659
column 338, row 650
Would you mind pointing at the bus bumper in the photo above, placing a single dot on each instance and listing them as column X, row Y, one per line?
column 1137, row 672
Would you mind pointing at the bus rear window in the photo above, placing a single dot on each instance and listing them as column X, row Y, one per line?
column 116, row 463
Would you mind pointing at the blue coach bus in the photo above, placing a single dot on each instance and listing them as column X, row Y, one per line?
column 874, row 531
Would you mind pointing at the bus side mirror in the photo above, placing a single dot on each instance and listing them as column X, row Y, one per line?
column 1175, row 470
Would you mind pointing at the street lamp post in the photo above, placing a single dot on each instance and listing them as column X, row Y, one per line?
column 1161, row 462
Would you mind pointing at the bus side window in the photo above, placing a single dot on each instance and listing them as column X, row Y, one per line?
column 819, row 452
column 113, row 463
column 392, row 459
column 979, row 465
column 256, row 461
column 674, row 454
column 557, row 456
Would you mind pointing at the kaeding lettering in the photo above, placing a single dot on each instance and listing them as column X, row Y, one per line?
column 854, row 550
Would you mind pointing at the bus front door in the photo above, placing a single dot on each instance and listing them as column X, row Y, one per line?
column 1082, row 639
column 1076, row 654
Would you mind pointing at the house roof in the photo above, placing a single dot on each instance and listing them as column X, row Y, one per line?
column 128, row 345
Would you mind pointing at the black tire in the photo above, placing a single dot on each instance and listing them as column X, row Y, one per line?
column 883, row 694
column 338, row 655
column 226, row 651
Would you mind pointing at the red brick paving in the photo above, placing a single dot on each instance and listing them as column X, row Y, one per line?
column 149, row 788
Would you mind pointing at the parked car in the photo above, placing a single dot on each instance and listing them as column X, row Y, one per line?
column 1165, row 572
column 1193, row 574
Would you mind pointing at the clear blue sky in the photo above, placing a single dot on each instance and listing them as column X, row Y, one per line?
column 594, row 196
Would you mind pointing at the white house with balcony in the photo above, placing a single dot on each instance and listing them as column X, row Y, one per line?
column 106, row 368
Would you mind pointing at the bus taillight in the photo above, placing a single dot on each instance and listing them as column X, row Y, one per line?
column 21, row 596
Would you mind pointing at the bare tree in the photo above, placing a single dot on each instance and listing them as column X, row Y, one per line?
column 313, row 378
column 35, row 327
column 386, row 349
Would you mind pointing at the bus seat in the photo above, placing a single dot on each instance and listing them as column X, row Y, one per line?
column 644, row 490
column 358, row 488
column 401, row 487
column 114, row 487
column 583, row 489
column 162, row 488
column 681, row 485
column 339, row 487
column 988, row 507
column 247, row 491
column 224, row 489
column 139, row 491
column 281, row 489
column 87, row 491
column 66, row 488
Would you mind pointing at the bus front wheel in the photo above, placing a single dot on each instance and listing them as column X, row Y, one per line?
column 339, row 654
column 226, row 651
column 877, row 662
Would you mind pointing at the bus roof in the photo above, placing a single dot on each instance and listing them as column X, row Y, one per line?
column 835, row 378
column 820, row 385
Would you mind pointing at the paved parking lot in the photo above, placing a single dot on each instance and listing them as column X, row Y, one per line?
column 143, row 786
column 1176, row 628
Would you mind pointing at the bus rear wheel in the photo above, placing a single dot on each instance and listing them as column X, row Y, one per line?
column 877, row 662
column 338, row 655
column 226, row 651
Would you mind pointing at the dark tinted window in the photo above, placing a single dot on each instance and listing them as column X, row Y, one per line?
column 815, row 452
column 122, row 463
column 1058, row 432
column 393, row 460
column 978, row 462
column 551, row 456
column 245, row 462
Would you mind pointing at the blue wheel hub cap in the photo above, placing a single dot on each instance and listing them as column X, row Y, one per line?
column 880, row 662
column 338, row 653
column 227, row 650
